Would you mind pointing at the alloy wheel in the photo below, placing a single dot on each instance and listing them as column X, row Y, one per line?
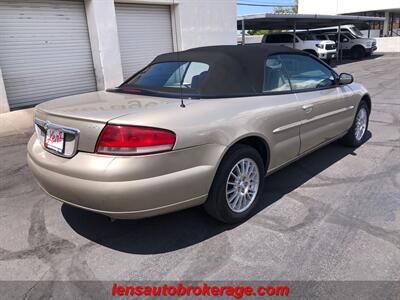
column 242, row 185
column 361, row 123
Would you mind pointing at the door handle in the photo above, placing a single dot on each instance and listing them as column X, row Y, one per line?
column 307, row 108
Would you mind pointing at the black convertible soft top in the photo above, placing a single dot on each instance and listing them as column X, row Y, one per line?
column 233, row 70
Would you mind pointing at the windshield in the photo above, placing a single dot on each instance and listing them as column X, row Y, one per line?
column 354, row 30
column 173, row 77
column 347, row 35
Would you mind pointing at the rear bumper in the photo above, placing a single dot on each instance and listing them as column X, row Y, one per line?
column 127, row 187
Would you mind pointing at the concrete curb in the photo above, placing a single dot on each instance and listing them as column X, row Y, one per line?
column 388, row 44
column 19, row 121
column 4, row 107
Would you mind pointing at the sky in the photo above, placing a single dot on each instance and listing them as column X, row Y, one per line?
column 246, row 10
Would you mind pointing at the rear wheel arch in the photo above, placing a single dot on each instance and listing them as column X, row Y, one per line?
column 219, row 200
column 256, row 142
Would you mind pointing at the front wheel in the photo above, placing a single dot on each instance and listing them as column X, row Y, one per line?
column 237, row 186
column 356, row 135
column 357, row 52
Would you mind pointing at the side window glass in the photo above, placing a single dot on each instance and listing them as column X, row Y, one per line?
column 304, row 36
column 275, row 79
column 333, row 37
column 275, row 38
column 174, row 81
column 269, row 39
column 306, row 73
column 344, row 38
column 287, row 38
column 195, row 75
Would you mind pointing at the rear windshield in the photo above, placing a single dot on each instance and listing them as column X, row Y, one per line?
column 170, row 77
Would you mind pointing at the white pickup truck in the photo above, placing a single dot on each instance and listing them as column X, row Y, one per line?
column 356, row 47
column 323, row 49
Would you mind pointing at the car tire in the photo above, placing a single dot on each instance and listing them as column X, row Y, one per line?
column 230, row 182
column 358, row 131
column 357, row 52
column 332, row 62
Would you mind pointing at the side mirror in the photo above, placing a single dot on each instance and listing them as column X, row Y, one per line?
column 345, row 40
column 345, row 78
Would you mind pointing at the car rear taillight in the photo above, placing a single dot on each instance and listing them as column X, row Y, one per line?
column 134, row 140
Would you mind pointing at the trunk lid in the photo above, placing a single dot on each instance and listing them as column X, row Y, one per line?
column 90, row 112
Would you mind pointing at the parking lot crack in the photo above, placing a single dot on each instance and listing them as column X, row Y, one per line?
column 391, row 236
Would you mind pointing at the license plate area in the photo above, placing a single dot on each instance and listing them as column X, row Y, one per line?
column 57, row 139
column 54, row 140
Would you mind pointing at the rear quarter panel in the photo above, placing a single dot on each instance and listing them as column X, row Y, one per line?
column 225, row 121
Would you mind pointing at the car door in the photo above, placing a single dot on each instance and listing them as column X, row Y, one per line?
column 345, row 42
column 322, row 100
column 280, row 114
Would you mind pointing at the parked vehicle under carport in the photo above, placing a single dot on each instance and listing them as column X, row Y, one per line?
column 324, row 49
column 350, row 45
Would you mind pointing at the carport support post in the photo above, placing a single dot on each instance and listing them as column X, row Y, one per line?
column 339, row 51
column 103, row 34
column 369, row 29
column 243, row 33
column 294, row 35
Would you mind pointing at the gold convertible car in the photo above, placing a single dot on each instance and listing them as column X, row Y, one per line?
column 202, row 126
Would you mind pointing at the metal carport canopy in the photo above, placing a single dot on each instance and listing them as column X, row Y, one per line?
column 302, row 21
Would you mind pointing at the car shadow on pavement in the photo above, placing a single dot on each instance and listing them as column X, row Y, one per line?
column 348, row 60
column 185, row 228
